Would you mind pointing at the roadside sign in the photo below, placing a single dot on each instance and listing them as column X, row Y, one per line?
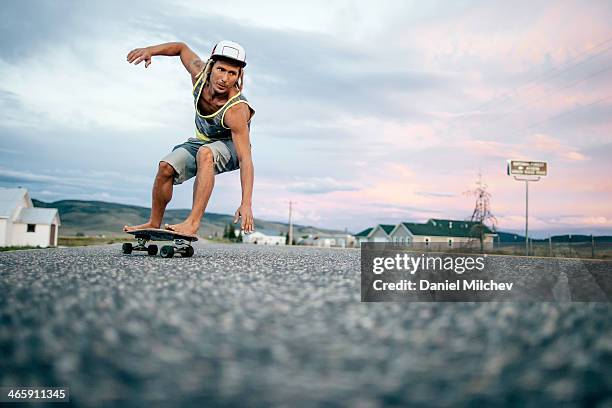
column 536, row 169
column 527, row 168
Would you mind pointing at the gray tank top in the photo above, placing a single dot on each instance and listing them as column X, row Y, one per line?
column 211, row 127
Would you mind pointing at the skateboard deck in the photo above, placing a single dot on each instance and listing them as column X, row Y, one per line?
column 157, row 234
column 182, row 242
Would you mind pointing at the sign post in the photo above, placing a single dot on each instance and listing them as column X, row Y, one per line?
column 527, row 171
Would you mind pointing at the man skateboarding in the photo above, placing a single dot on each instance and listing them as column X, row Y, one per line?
column 222, row 121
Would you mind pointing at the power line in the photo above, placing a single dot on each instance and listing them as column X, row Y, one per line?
column 553, row 71
column 534, row 125
column 571, row 85
column 556, row 73
column 569, row 68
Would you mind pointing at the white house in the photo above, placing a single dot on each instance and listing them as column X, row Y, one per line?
column 325, row 241
column 259, row 238
column 379, row 233
column 328, row 240
column 344, row 240
column 440, row 234
column 362, row 236
column 23, row 225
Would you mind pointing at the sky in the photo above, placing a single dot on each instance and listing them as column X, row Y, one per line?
column 366, row 112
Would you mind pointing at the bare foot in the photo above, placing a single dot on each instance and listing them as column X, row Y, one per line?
column 184, row 227
column 127, row 228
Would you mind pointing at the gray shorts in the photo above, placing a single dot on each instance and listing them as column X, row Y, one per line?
column 183, row 157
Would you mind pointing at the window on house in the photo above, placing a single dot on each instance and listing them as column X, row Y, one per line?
column 31, row 227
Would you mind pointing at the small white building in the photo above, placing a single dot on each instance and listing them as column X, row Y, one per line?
column 23, row 225
column 323, row 241
column 345, row 240
column 327, row 240
column 259, row 238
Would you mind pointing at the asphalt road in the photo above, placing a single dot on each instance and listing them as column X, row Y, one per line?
column 240, row 325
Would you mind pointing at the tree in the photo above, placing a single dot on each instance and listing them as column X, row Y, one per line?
column 482, row 215
column 229, row 232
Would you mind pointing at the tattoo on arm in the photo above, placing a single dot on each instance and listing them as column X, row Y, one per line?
column 198, row 64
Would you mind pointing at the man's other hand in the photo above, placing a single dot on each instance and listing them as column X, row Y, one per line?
column 138, row 55
column 245, row 213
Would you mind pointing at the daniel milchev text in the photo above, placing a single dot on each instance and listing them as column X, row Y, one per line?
column 411, row 264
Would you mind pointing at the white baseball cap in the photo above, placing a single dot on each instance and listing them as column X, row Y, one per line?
column 229, row 50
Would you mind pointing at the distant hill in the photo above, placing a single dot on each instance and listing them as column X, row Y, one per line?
column 581, row 238
column 509, row 237
column 103, row 218
column 506, row 237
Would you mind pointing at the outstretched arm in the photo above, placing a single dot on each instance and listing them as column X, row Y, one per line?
column 236, row 118
column 193, row 64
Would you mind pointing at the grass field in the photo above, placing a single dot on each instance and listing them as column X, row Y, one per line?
column 83, row 241
column 17, row 248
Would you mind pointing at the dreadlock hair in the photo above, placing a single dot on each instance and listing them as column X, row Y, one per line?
column 208, row 68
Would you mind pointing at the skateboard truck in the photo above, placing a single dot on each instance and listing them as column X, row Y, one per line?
column 151, row 249
column 180, row 247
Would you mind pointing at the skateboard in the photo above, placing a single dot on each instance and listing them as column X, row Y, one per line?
column 182, row 242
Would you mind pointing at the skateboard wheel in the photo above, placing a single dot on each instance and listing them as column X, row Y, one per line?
column 152, row 250
column 167, row 251
column 127, row 248
column 188, row 252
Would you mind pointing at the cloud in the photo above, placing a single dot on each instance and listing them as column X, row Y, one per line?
column 435, row 194
column 85, row 180
column 548, row 144
column 364, row 114
column 319, row 186
column 491, row 148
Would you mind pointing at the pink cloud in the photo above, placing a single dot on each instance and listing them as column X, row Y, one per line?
column 548, row 144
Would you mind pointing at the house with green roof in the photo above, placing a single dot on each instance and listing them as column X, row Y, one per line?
column 362, row 236
column 440, row 233
column 379, row 233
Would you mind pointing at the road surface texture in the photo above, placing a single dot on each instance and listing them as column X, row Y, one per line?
column 240, row 325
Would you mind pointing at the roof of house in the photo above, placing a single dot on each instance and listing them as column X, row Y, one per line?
column 364, row 233
column 387, row 228
column 446, row 228
column 9, row 199
column 37, row 216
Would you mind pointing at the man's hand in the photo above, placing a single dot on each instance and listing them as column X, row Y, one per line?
column 190, row 59
column 246, row 214
column 140, row 54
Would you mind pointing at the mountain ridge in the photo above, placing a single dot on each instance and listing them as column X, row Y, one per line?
column 108, row 218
